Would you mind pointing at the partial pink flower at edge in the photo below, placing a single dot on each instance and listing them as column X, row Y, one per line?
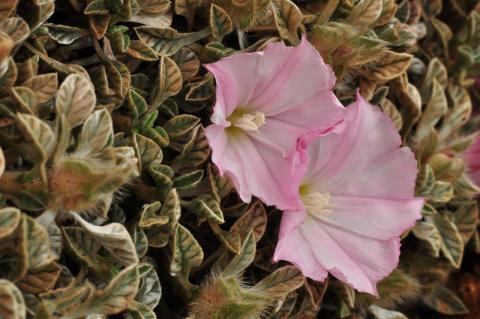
column 264, row 102
column 472, row 158
column 358, row 198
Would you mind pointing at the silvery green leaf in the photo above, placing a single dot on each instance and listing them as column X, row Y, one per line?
column 243, row 259
column 40, row 280
column 281, row 282
column 38, row 133
column 76, row 99
column 38, row 245
column 12, row 304
column 167, row 41
column 206, row 207
column 365, row 13
column 114, row 238
column 44, row 86
column 64, row 34
column 288, row 18
column 187, row 252
column 16, row 28
column 168, row 82
column 96, row 133
column 452, row 243
column 220, row 23
column 10, row 218
column 253, row 220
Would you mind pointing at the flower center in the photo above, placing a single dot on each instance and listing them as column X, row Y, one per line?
column 317, row 204
column 247, row 121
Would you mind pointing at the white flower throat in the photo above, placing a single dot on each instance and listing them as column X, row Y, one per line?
column 247, row 121
column 317, row 204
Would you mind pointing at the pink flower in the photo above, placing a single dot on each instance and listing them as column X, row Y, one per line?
column 357, row 191
column 472, row 158
column 265, row 102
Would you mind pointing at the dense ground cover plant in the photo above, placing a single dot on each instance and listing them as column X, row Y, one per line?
column 111, row 205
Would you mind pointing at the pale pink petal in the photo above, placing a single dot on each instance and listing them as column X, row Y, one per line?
column 364, row 159
column 288, row 76
column 235, row 82
column 292, row 247
column 371, row 183
column 375, row 218
column 472, row 158
column 255, row 169
column 319, row 114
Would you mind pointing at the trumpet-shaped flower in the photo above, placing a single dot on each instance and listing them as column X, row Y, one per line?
column 472, row 158
column 357, row 188
column 264, row 102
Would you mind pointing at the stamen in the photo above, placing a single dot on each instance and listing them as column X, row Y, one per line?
column 250, row 122
column 317, row 204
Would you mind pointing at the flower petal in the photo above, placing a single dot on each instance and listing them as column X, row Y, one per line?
column 357, row 260
column 374, row 218
column 472, row 158
column 364, row 159
column 291, row 247
column 258, row 170
column 235, row 82
column 288, row 76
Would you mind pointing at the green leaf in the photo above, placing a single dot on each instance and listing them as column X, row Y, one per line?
column 140, row 51
column 452, row 244
column 168, row 82
column 288, row 18
column 254, row 219
column 188, row 180
column 26, row 100
column 445, row 301
column 428, row 232
column 188, row 63
column 436, row 108
column 365, row 13
column 114, row 238
column 96, row 133
column 16, row 28
column 442, row 192
column 381, row 313
column 206, row 207
column 38, row 245
column 84, row 247
column 180, row 125
column 220, row 22
column 115, row 298
column 281, row 282
column 44, row 86
column 445, row 34
column 40, row 280
column 64, row 34
column 147, row 150
column 75, row 98
column 149, row 291
column 390, row 65
column 167, row 41
column 187, row 252
column 38, row 133
column 12, row 305
column 458, row 114
column 10, row 219
column 195, row 152
column 466, row 220
column 243, row 259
